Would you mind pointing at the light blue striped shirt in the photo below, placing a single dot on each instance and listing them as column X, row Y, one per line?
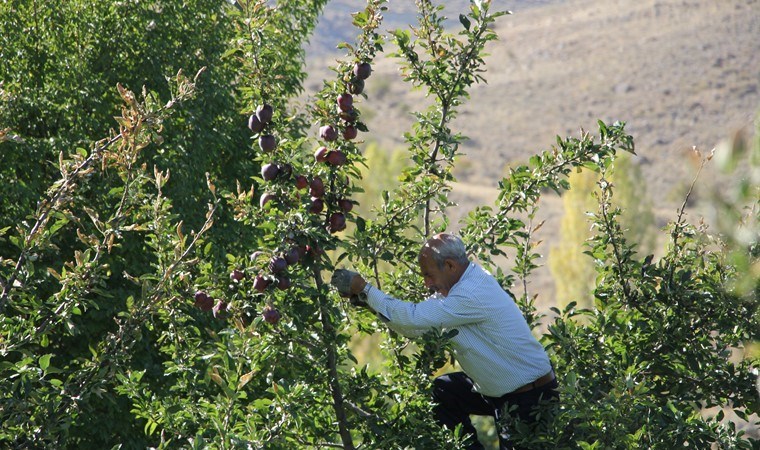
column 494, row 346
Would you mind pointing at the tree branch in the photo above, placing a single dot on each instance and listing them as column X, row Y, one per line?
column 336, row 390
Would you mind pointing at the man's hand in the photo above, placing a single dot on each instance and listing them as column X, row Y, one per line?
column 357, row 301
column 350, row 284
column 342, row 280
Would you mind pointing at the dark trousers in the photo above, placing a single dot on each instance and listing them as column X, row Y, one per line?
column 455, row 401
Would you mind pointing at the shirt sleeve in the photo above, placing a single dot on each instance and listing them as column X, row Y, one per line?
column 434, row 312
column 404, row 331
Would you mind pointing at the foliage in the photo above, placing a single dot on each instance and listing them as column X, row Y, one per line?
column 161, row 288
column 574, row 274
column 656, row 349
column 60, row 62
column 54, row 392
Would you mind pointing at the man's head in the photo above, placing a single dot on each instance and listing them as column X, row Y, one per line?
column 443, row 260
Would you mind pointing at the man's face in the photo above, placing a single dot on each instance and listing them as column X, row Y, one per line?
column 437, row 279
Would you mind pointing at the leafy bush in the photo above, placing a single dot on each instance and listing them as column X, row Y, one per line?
column 656, row 350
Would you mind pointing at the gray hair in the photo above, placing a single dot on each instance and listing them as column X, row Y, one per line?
column 447, row 246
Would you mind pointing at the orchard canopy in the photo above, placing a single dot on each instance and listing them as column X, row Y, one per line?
column 172, row 201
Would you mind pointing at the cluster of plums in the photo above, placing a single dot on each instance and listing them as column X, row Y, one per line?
column 335, row 158
column 316, row 187
column 205, row 302
column 277, row 265
column 361, row 72
column 219, row 308
column 275, row 274
column 258, row 123
column 347, row 113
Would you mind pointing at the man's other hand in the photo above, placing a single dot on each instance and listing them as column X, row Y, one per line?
column 357, row 301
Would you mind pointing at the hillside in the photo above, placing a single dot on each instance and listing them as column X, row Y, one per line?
column 680, row 73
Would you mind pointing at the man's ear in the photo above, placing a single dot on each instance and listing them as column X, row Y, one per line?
column 450, row 264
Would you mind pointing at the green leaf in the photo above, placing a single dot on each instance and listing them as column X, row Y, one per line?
column 45, row 361
column 231, row 51
column 150, row 427
column 464, row 21
column 360, row 19
column 16, row 241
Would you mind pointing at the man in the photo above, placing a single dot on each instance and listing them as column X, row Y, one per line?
column 504, row 365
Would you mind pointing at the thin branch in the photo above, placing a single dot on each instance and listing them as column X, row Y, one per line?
column 679, row 226
column 206, row 225
column 526, row 250
column 613, row 234
column 375, row 268
column 682, row 209
column 375, row 422
column 320, row 444
column 433, row 156
column 361, row 412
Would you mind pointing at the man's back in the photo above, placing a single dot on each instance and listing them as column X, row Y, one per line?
column 496, row 348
